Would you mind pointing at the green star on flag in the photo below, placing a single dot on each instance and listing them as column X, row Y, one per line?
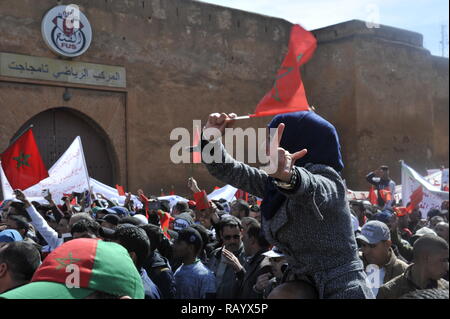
column 22, row 160
column 62, row 261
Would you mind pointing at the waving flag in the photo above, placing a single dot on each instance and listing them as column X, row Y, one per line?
column 22, row 162
column 288, row 93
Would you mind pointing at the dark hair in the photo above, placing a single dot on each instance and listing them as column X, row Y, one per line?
column 19, row 208
column 255, row 231
column 428, row 243
column 130, row 220
column 250, row 221
column 433, row 212
column 243, row 206
column 154, row 234
column 22, row 258
column 198, row 244
column 164, row 205
column 21, row 221
column 230, row 221
column 134, row 239
column 255, row 208
column 85, row 225
column 426, row 294
column 203, row 233
column 182, row 206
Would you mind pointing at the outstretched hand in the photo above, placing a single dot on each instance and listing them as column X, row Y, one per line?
column 280, row 160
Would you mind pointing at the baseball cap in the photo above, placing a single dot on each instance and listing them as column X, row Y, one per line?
column 103, row 266
column 374, row 231
column 383, row 216
column 10, row 235
column 110, row 218
column 142, row 219
column 182, row 221
column 274, row 253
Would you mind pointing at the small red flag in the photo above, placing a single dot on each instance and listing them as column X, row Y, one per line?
column 202, row 200
column 22, row 162
column 172, row 192
column 288, row 93
column 415, row 199
column 120, row 190
column 373, row 198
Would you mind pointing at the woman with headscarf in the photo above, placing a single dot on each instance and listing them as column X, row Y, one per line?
column 305, row 211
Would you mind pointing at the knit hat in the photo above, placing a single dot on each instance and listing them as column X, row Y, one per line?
column 102, row 266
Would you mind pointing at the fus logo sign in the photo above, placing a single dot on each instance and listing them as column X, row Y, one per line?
column 67, row 31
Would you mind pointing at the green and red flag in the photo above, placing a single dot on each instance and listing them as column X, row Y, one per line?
column 288, row 93
column 22, row 162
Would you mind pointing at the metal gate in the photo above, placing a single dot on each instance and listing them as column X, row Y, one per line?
column 56, row 129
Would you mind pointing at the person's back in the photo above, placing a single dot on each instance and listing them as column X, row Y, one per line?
column 159, row 271
column 194, row 281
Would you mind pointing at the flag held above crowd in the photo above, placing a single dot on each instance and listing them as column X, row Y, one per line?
column 288, row 92
column 22, row 163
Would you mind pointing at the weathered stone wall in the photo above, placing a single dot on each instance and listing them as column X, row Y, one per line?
column 186, row 59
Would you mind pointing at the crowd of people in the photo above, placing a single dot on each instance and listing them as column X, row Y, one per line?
column 304, row 241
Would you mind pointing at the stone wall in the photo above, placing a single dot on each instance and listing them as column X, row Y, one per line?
column 184, row 59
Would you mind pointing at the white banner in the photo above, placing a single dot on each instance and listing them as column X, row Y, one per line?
column 69, row 174
column 227, row 192
column 432, row 195
column 173, row 200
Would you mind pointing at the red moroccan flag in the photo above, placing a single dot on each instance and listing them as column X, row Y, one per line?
column 22, row 162
column 288, row 93
column 120, row 190
column 373, row 198
column 415, row 199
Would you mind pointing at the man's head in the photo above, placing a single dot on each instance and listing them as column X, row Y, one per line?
column 434, row 212
column 240, row 209
column 436, row 220
column 135, row 240
column 277, row 261
column 110, row 221
column 18, row 262
column 182, row 221
column 188, row 244
column 76, row 217
column 384, row 171
column 180, row 207
column 247, row 222
column 203, row 217
column 230, row 230
column 255, row 212
column 375, row 242
column 254, row 240
column 431, row 255
column 441, row 230
column 63, row 225
column 79, row 269
column 85, row 228
column 18, row 223
column 154, row 234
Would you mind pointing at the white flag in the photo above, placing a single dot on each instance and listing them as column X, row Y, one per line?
column 227, row 192
column 69, row 174
column 432, row 195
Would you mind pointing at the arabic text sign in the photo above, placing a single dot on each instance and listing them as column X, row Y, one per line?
column 30, row 67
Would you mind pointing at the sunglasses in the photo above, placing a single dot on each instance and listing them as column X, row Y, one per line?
column 229, row 237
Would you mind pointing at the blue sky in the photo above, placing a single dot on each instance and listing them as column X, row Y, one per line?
column 423, row 16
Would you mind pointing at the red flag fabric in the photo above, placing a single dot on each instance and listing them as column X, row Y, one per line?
column 385, row 195
column 120, row 190
column 240, row 194
column 415, row 199
column 288, row 93
column 197, row 155
column 373, row 198
column 202, row 200
column 22, row 162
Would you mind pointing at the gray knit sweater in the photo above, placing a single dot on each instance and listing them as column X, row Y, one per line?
column 312, row 227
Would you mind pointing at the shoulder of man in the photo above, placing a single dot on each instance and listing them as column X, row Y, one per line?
column 394, row 288
column 443, row 284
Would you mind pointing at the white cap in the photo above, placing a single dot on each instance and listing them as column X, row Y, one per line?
column 141, row 218
column 425, row 231
column 274, row 253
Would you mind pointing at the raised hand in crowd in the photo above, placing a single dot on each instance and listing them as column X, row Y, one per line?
column 192, row 185
column 21, row 196
column 230, row 259
column 262, row 282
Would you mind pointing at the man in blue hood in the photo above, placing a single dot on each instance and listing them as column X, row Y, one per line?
column 305, row 212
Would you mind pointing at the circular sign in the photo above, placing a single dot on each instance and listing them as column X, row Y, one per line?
column 67, row 31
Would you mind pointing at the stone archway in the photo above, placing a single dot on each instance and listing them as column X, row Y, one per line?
column 55, row 129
